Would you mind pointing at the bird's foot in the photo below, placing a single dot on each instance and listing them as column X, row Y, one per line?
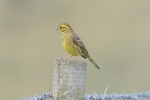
column 71, row 58
column 68, row 58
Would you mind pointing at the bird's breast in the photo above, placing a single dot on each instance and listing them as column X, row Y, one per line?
column 68, row 45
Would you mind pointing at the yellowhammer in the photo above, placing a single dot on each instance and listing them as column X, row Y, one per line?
column 72, row 43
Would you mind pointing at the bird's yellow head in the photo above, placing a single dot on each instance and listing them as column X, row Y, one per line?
column 64, row 27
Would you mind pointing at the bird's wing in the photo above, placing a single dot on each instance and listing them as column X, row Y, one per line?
column 80, row 47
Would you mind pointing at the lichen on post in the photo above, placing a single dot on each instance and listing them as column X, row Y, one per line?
column 68, row 80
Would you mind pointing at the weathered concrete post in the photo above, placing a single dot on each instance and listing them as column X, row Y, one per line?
column 68, row 80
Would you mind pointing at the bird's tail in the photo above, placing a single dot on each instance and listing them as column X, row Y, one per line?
column 92, row 61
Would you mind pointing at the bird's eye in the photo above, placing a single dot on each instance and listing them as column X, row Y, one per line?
column 60, row 27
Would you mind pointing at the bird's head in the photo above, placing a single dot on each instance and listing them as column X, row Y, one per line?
column 64, row 27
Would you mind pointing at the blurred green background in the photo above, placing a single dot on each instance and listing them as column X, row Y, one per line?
column 116, row 34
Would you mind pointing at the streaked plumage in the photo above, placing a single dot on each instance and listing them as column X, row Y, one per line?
column 72, row 43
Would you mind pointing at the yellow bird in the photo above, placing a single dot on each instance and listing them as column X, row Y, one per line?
column 72, row 43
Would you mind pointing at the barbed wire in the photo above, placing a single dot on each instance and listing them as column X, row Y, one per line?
column 94, row 96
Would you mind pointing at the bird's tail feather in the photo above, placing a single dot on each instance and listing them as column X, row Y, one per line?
column 92, row 61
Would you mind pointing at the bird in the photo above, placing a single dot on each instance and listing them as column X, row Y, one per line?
column 73, row 44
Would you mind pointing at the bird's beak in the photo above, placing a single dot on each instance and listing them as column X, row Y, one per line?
column 57, row 29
